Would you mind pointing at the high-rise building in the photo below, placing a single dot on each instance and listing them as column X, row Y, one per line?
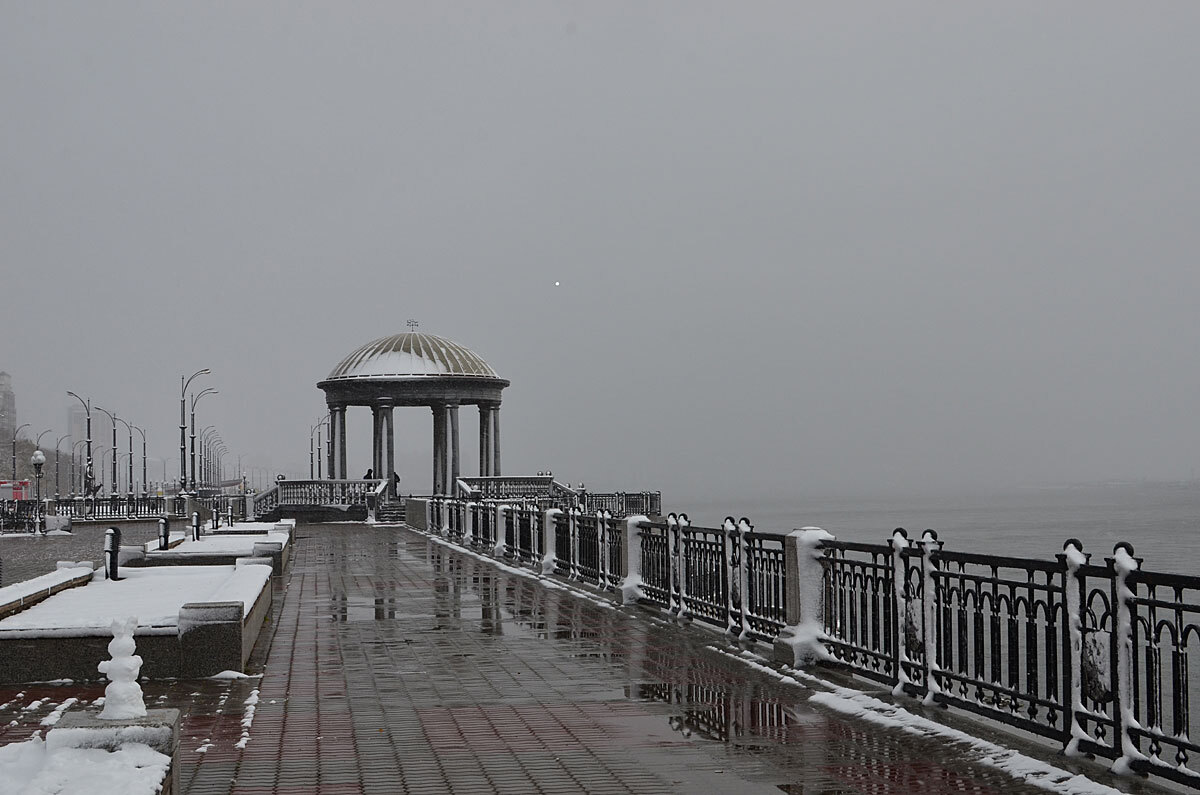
column 76, row 422
column 8, row 407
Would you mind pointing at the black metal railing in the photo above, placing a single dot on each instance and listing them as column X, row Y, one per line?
column 1096, row 656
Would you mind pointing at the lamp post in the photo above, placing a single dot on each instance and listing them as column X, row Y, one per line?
column 14, row 451
column 183, row 385
column 74, row 459
column 37, row 444
column 37, row 460
column 129, row 478
column 195, row 400
column 113, row 417
column 87, row 407
column 145, row 480
column 57, row 455
column 208, row 433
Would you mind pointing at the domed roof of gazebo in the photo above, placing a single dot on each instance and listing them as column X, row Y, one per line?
column 411, row 355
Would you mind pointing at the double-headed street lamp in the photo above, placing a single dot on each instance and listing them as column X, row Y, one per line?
column 57, row 455
column 76, row 483
column 145, row 480
column 87, row 407
column 207, row 434
column 195, row 400
column 112, row 417
column 183, row 385
column 129, row 431
column 316, row 429
column 14, row 451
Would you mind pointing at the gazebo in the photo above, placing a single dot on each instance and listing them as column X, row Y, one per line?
column 415, row 369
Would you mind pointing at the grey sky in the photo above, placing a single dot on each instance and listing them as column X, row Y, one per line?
column 836, row 247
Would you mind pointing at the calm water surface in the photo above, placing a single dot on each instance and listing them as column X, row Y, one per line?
column 1161, row 520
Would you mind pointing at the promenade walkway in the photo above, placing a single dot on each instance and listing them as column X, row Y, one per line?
column 394, row 664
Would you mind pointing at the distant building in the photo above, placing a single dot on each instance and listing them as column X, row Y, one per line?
column 8, row 407
column 76, row 423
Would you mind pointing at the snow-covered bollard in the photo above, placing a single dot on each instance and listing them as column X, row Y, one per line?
column 123, row 696
column 164, row 532
column 112, row 551
column 195, row 525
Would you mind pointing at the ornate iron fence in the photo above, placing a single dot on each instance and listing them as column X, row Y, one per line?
column 1098, row 657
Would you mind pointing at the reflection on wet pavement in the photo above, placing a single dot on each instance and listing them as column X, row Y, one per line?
column 395, row 664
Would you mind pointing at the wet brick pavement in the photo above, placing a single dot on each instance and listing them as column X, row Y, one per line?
column 393, row 664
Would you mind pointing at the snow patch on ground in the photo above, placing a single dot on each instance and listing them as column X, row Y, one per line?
column 30, row 767
column 248, row 718
column 230, row 675
column 54, row 716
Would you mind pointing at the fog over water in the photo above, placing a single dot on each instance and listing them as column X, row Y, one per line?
column 803, row 251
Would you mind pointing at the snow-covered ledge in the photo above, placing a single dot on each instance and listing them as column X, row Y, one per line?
column 801, row 642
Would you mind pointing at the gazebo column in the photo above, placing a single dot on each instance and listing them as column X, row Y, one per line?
column 485, row 437
column 376, row 435
column 334, row 436
column 452, row 410
column 439, row 449
column 390, row 469
column 340, row 422
column 495, row 423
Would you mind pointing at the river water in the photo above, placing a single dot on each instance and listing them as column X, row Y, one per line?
column 1161, row 520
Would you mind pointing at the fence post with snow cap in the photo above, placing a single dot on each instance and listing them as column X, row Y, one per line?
column 802, row 642
column 550, row 540
column 498, row 544
column 929, row 601
column 631, row 587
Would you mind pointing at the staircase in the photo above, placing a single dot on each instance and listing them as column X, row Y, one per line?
column 392, row 513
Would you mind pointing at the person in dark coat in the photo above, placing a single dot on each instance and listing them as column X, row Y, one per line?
column 370, row 475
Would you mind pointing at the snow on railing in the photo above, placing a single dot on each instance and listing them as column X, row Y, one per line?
column 1095, row 657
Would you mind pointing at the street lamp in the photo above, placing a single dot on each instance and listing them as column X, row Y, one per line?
column 14, row 451
column 145, row 480
column 57, row 455
column 207, row 433
column 37, row 460
column 87, row 407
column 183, row 385
column 112, row 417
column 195, row 400
column 129, row 431
column 316, row 429
column 38, row 442
column 74, row 460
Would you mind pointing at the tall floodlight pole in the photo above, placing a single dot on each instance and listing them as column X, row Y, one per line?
column 195, row 400
column 87, row 407
column 145, row 480
column 113, row 417
column 183, row 385
column 14, row 451
column 57, row 455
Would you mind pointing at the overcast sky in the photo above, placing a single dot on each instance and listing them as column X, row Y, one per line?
column 836, row 248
